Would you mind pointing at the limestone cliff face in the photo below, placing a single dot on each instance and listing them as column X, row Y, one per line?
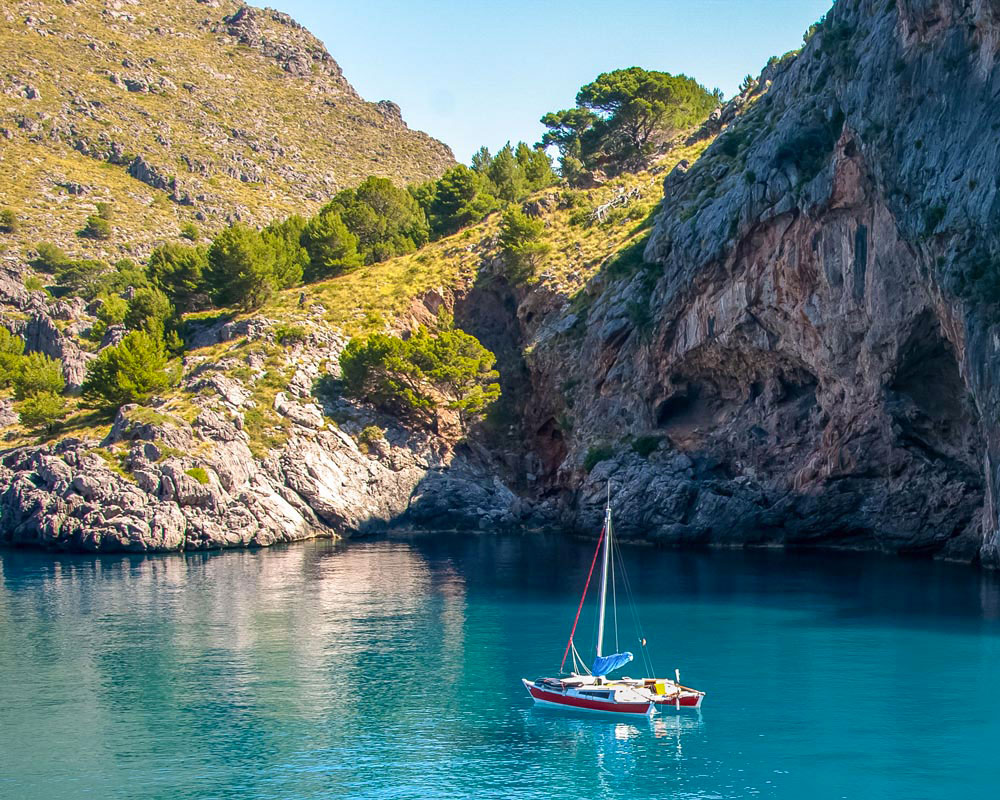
column 798, row 345
column 805, row 355
column 159, row 481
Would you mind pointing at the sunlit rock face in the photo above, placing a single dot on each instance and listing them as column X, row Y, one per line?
column 803, row 350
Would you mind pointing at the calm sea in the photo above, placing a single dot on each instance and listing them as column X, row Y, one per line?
column 390, row 669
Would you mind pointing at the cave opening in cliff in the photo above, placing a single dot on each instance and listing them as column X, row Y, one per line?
column 928, row 400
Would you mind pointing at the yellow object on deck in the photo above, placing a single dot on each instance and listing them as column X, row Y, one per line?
column 661, row 688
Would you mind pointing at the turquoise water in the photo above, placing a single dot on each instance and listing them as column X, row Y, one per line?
column 390, row 669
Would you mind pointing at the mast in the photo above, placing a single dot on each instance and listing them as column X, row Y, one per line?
column 604, row 572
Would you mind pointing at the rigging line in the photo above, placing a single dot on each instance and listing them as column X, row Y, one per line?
column 582, row 598
column 647, row 659
column 583, row 664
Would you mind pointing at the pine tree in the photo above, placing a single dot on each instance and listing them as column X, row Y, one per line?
column 130, row 372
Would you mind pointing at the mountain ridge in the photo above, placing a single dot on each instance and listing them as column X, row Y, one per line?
column 193, row 112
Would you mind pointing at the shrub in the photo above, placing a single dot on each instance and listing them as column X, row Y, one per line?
column 189, row 231
column 42, row 412
column 417, row 375
column 125, row 275
column 460, row 197
column 97, row 227
column 8, row 221
column 37, row 374
column 105, row 211
column 933, row 217
column 289, row 334
column 290, row 258
column 149, row 310
column 86, row 277
column 595, row 455
column 179, row 271
column 11, row 351
column 645, row 445
column 505, row 176
column 369, row 437
column 808, row 150
column 199, row 474
column 371, row 434
column 521, row 244
column 386, row 220
column 111, row 310
column 130, row 372
column 331, row 247
column 50, row 257
column 33, row 283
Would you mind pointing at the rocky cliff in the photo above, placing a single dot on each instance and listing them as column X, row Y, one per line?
column 800, row 349
column 803, row 351
column 189, row 112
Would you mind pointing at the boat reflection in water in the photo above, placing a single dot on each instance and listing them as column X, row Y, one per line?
column 620, row 748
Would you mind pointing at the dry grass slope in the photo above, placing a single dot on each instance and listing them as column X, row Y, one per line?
column 246, row 119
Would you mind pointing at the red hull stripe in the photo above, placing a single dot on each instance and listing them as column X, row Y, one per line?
column 687, row 700
column 593, row 705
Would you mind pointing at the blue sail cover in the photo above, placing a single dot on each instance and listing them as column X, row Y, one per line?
column 605, row 664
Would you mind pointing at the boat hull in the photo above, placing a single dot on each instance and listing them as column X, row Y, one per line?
column 692, row 700
column 563, row 700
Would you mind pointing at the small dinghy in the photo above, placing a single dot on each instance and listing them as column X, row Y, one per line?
column 591, row 689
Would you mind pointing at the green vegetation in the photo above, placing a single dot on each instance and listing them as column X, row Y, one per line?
column 33, row 283
column 522, row 244
column 116, row 462
column 369, row 437
column 130, row 372
column 979, row 281
column 179, row 272
column 49, row 257
column 646, row 445
column 190, row 232
column 199, row 474
column 289, row 334
column 461, row 197
column 331, row 247
column 11, row 352
column 43, row 412
column 621, row 116
column 419, row 375
column 149, row 310
column 809, row 148
column 8, row 221
column 96, row 227
column 465, row 195
column 36, row 374
column 244, row 270
column 38, row 384
column 597, row 454
column 386, row 221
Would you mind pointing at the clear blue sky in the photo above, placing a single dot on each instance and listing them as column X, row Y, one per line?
column 473, row 73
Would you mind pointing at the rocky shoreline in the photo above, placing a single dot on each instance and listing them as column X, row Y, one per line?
column 792, row 363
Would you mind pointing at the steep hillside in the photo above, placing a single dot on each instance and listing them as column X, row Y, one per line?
column 188, row 112
column 798, row 346
column 282, row 458
column 813, row 351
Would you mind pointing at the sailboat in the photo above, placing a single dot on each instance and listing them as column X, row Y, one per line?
column 591, row 689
